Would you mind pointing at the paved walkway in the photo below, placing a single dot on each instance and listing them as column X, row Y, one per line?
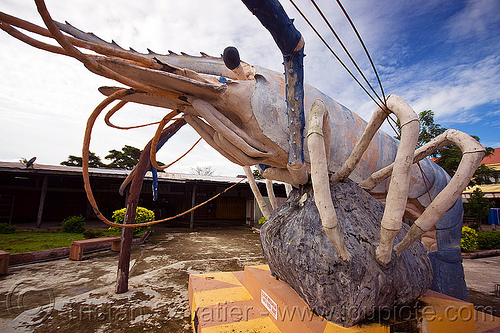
column 481, row 276
column 80, row 294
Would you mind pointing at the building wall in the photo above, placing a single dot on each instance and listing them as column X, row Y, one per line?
column 20, row 193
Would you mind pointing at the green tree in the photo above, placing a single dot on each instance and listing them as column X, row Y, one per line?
column 487, row 175
column 449, row 157
column 477, row 206
column 127, row 158
column 428, row 128
column 257, row 174
column 94, row 161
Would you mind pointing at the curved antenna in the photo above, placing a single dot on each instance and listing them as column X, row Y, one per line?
column 364, row 47
column 393, row 124
column 333, row 52
column 345, row 48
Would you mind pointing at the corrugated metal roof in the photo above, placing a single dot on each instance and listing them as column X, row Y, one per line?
column 47, row 168
column 183, row 176
column 105, row 172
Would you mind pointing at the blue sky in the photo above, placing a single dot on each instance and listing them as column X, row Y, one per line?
column 454, row 49
column 440, row 55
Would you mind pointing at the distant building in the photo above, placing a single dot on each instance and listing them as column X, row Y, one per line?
column 492, row 191
column 54, row 192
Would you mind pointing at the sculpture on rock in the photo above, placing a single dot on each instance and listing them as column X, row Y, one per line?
column 345, row 292
column 338, row 145
column 300, row 136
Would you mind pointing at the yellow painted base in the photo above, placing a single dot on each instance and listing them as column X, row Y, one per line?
column 254, row 301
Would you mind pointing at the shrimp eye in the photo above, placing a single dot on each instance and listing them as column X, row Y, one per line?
column 231, row 57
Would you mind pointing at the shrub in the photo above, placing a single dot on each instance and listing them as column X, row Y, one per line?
column 474, row 226
column 488, row 240
column 141, row 215
column 262, row 220
column 469, row 239
column 7, row 229
column 73, row 224
column 93, row 233
column 478, row 206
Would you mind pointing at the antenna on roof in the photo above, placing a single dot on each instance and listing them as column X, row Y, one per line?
column 30, row 163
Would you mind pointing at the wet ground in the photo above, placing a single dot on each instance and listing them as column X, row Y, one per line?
column 482, row 275
column 79, row 295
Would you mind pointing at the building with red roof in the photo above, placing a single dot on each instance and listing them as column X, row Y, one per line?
column 493, row 160
column 492, row 191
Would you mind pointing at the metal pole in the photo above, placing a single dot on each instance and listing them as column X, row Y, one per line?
column 193, row 203
column 42, row 201
column 12, row 208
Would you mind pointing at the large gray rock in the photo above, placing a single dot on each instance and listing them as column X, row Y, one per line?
column 299, row 252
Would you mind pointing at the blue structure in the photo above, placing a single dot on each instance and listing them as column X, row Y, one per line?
column 154, row 171
column 494, row 216
column 289, row 40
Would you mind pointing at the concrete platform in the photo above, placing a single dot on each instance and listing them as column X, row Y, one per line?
column 254, row 301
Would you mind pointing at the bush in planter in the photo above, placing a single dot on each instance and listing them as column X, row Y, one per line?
column 73, row 224
column 488, row 240
column 478, row 206
column 469, row 239
column 141, row 215
column 474, row 226
column 93, row 233
column 7, row 229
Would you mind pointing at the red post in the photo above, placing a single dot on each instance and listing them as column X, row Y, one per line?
column 42, row 201
column 133, row 199
column 126, row 247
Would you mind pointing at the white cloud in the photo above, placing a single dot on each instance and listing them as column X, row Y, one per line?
column 461, row 88
column 477, row 19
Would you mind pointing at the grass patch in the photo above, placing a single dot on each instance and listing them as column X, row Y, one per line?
column 29, row 241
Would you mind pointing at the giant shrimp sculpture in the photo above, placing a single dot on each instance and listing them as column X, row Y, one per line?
column 241, row 111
